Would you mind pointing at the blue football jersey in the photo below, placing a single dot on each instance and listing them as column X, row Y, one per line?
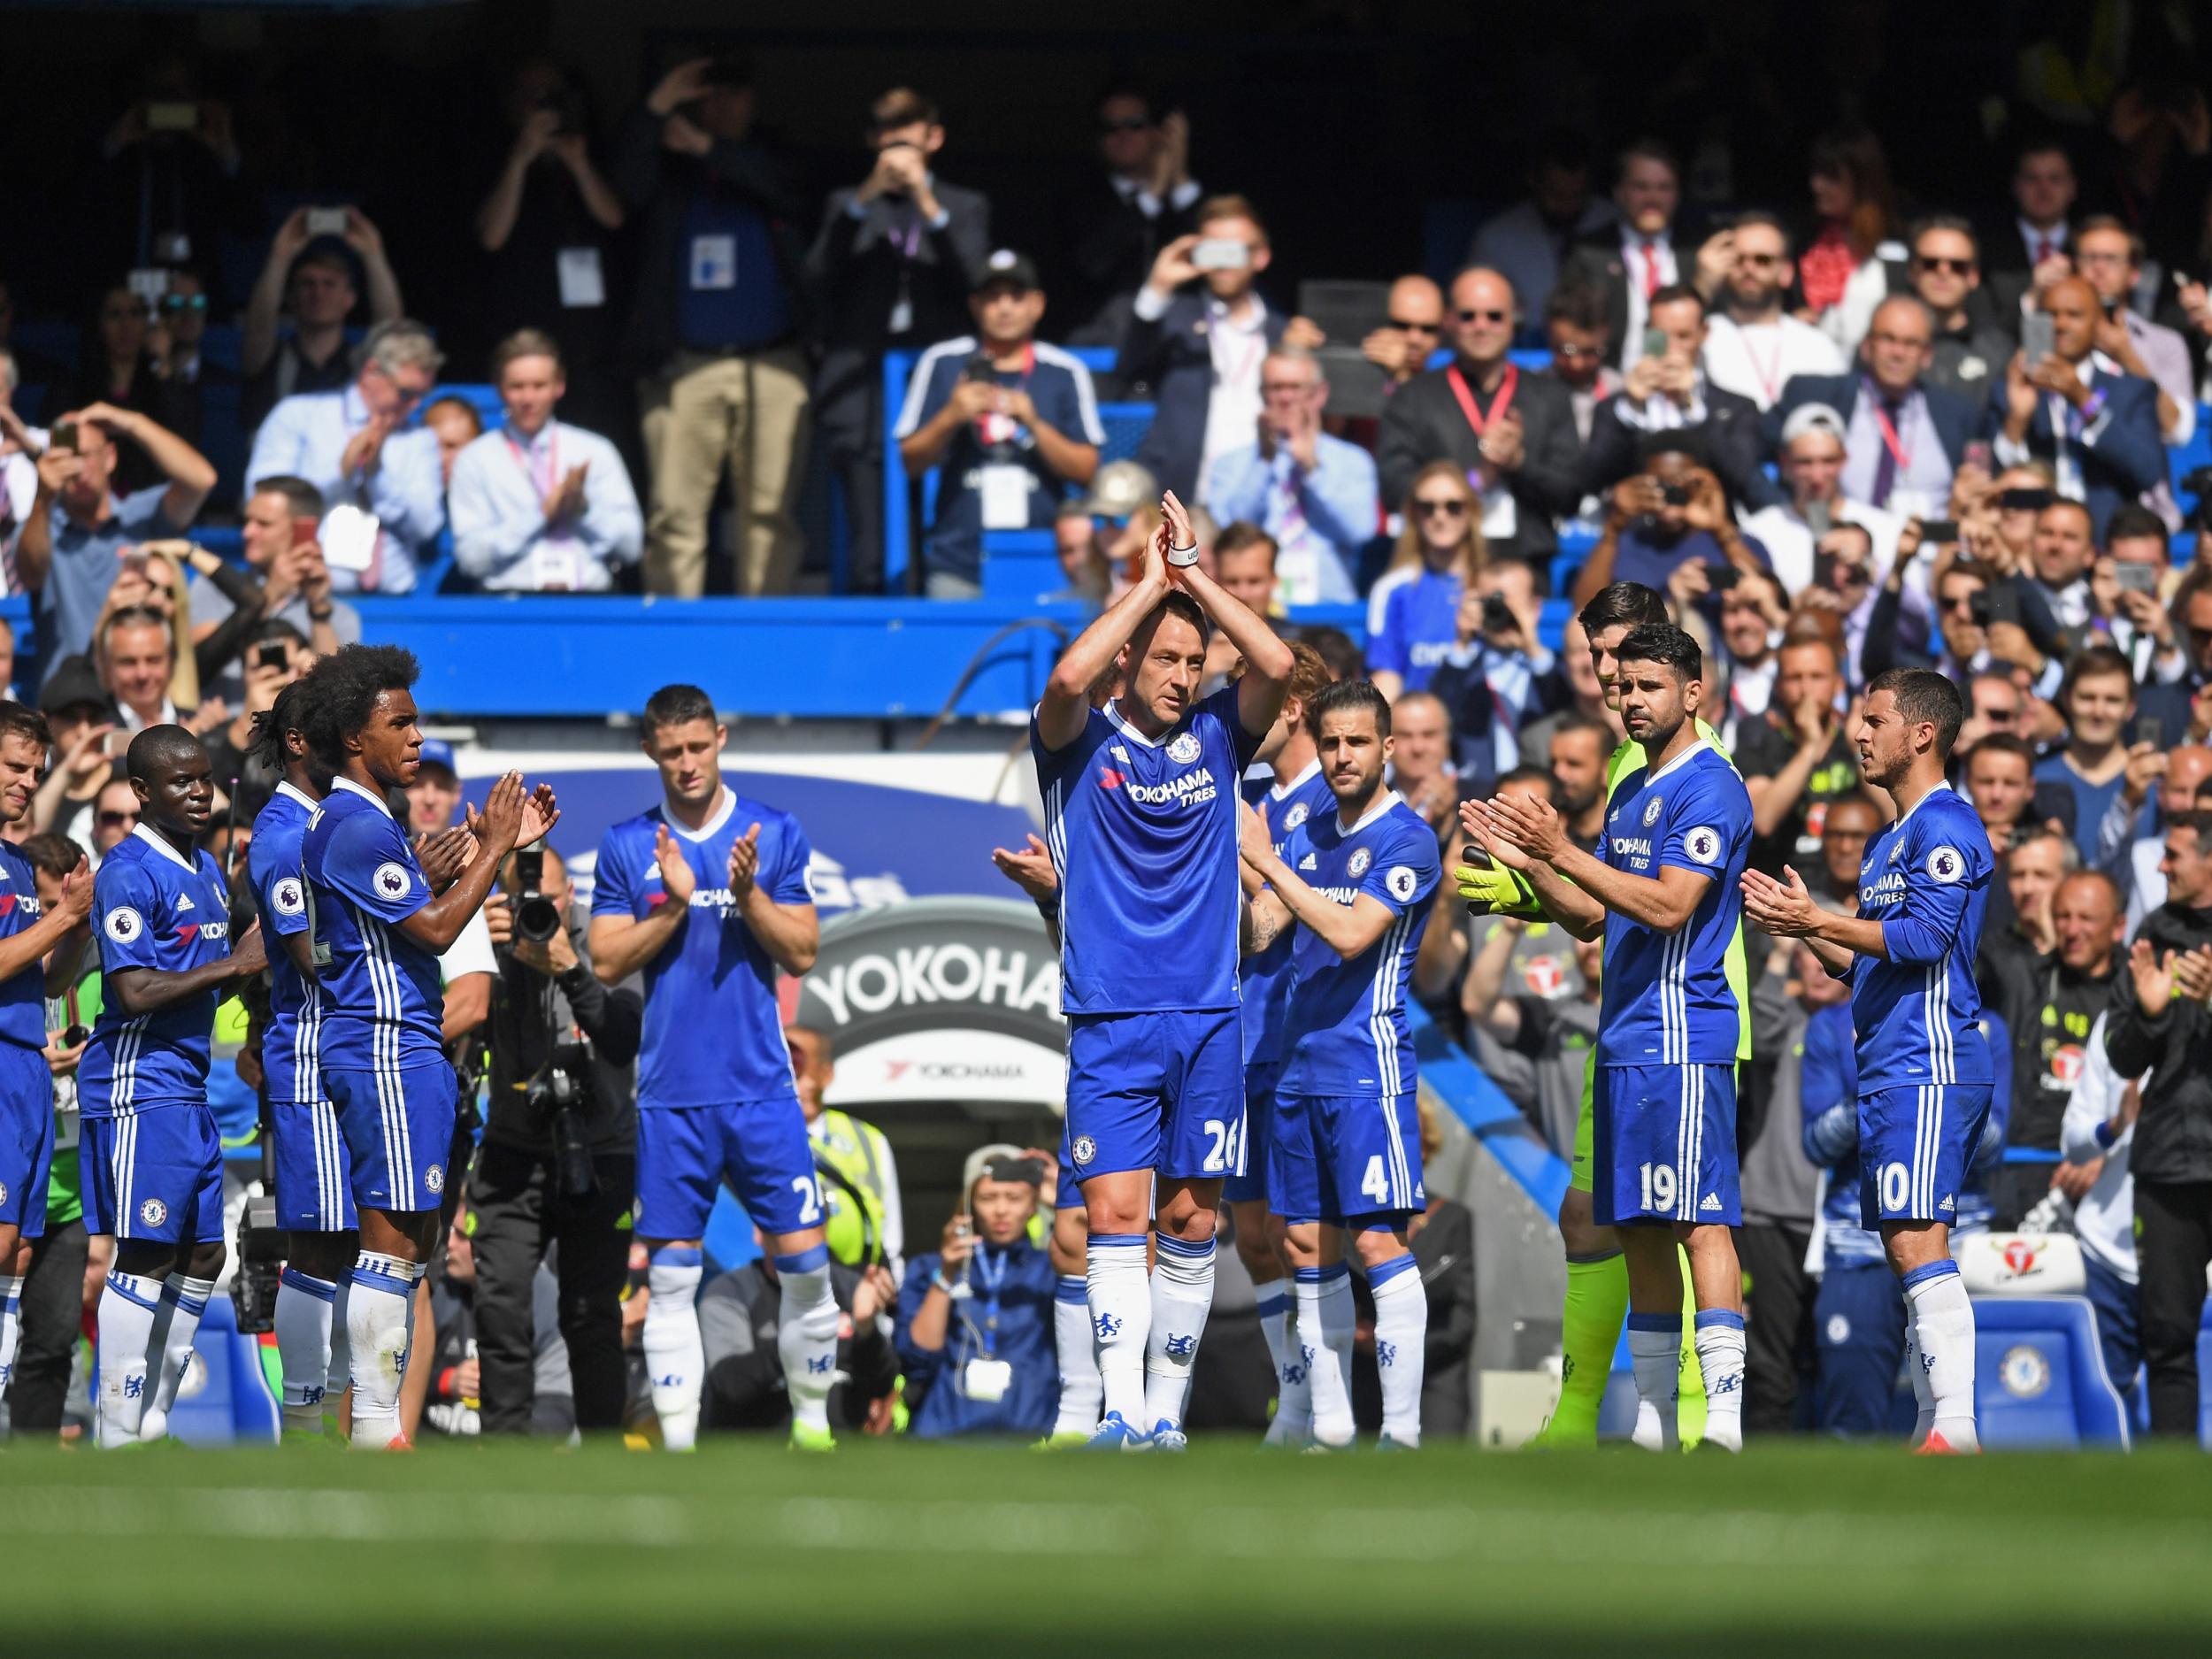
column 379, row 999
column 156, row 907
column 1420, row 628
column 1348, row 1033
column 23, row 998
column 713, row 1032
column 1266, row 974
column 1665, row 999
column 1144, row 836
column 273, row 864
column 1926, row 880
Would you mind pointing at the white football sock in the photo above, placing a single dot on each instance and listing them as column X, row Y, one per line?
column 1293, row 1399
column 341, row 1378
column 1943, row 1320
column 806, row 1335
column 1923, row 1396
column 379, row 1326
column 1182, row 1296
column 127, row 1306
column 1402, row 1334
column 183, row 1303
column 675, row 1355
column 1655, row 1350
column 1720, row 1362
column 1120, row 1292
column 11, row 1328
column 1326, row 1321
column 1079, row 1362
column 304, row 1311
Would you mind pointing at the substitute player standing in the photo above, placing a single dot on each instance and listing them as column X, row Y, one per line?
column 1346, row 1155
column 1141, row 814
column 28, row 936
column 151, row 1159
column 1924, row 1076
column 1665, row 894
column 707, row 894
column 379, row 929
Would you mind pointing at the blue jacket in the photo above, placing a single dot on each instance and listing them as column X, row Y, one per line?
column 1022, row 1338
column 1173, row 355
column 2121, row 452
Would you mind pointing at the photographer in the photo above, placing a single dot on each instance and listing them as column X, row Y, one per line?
column 558, row 1166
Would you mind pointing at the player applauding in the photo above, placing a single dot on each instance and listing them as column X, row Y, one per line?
column 1924, row 1079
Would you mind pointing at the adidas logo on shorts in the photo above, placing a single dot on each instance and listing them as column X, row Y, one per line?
column 1711, row 1202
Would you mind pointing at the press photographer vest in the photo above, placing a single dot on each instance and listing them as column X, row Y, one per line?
column 851, row 1156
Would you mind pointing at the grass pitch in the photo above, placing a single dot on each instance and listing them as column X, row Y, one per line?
column 502, row 1549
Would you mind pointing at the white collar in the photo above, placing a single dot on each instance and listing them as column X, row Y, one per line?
column 1390, row 798
column 2031, row 236
column 369, row 796
column 284, row 787
column 716, row 819
column 1941, row 784
column 1217, row 309
column 1279, row 790
column 1113, row 713
column 1634, row 240
column 1675, row 764
column 159, row 842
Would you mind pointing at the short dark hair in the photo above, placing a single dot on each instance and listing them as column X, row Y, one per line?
column 2004, row 743
column 1577, row 304
column 2134, row 522
column 1240, row 535
column 1175, row 603
column 1230, row 206
column 1349, row 693
column 306, row 501
column 1674, row 294
column 21, row 720
column 1670, row 646
column 1760, row 219
column 2106, row 221
column 1923, row 694
column 51, row 853
column 526, row 342
column 1618, row 604
column 903, row 107
column 1646, row 150
column 1335, row 649
column 1950, row 222
column 1856, row 797
column 1527, row 773
column 676, row 705
column 1574, row 721
column 342, row 691
column 2094, row 662
column 159, row 746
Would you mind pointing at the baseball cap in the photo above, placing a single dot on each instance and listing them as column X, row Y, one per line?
column 437, row 752
column 1813, row 418
column 1015, row 270
column 1119, row 488
column 982, row 1158
column 74, row 683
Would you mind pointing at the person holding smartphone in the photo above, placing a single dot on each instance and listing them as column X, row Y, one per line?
column 975, row 1316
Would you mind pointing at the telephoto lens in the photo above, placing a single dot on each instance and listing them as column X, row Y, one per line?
column 536, row 919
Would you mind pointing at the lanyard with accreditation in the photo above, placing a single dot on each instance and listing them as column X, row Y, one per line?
column 1500, row 518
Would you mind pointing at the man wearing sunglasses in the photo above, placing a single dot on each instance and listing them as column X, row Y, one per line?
column 1112, row 228
column 378, row 474
column 1753, row 346
column 1402, row 345
column 1969, row 351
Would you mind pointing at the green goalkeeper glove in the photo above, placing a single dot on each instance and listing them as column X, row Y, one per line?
column 1496, row 890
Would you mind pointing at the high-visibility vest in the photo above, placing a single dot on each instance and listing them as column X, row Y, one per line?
column 854, row 1161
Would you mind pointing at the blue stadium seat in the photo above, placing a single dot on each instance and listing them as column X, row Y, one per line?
column 225, row 1399
column 2040, row 1376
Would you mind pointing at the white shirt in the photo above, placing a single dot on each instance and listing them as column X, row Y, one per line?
column 470, row 952
column 1149, row 205
column 1233, row 413
column 1756, row 360
column 305, row 436
column 1632, row 342
column 1788, row 540
column 2104, row 1219
column 2055, row 236
column 18, row 480
column 497, row 501
column 133, row 725
column 2065, row 464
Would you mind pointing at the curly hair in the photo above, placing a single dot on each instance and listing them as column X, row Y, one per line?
column 339, row 695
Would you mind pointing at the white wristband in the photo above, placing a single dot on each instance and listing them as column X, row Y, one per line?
column 1183, row 558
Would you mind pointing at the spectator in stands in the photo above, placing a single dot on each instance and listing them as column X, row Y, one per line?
column 2157, row 1024
column 1673, row 512
column 1586, row 697
column 114, row 815
column 117, row 370
column 1632, row 259
column 1242, row 559
column 1513, row 433
column 1439, row 553
column 2098, row 700
column 1112, row 228
column 893, row 267
column 746, row 1389
column 1498, row 676
column 1797, row 757
column 1902, row 436
column 1402, row 345
column 1968, row 353
column 1746, row 655
column 1818, row 519
column 1197, row 337
column 1849, row 823
column 1313, row 493
column 2000, row 777
column 975, row 1315
column 1012, row 420
column 1083, row 561
column 1527, row 242
column 1581, row 358
column 169, row 171
column 2110, row 257
column 276, row 655
column 2097, row 1135
column 1422, row 769
column 456, row 425
column 381, row 481
column 862, row 1218
column 716, row 327
column 310, row 279
column 434, row 796
column 2098, row 429
column 19, row 449
column 1668, row 391
column 2141, row 879
column 2030, row 252
column 175, row 345
column 2040, row 857
column 1753, row 346
column 136, row 655
column 83, row 722
column 278, row 533
column 1843, row 275
column 541, row 506
column 79, row 524
column 548, row 231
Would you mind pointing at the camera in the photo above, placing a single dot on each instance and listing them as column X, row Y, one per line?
column 560, row 1095
column 1675, row 494
column 537, row 919
column 1497, row 616
column 262, row 1248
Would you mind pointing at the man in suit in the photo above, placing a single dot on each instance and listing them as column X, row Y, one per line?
column 2034, row 249
column 1671, row 392
column 2095, row 424
column 1528, row 241
column 1513, row 433
column 1903, row 437
column 1632, row 259
column 1113, row 228
column 1198, row 333
column 892, row 266
column 1969, row 350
